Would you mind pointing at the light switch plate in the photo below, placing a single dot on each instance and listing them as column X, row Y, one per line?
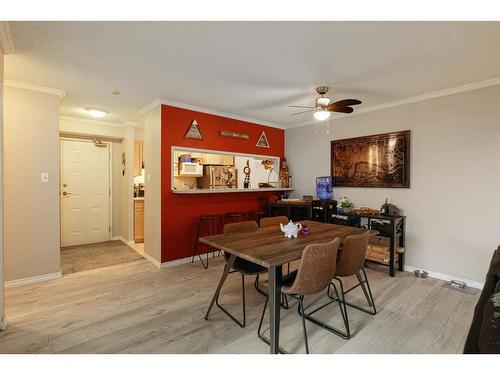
column 44, row 177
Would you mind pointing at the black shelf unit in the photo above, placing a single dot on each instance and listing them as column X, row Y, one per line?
column 392, row 227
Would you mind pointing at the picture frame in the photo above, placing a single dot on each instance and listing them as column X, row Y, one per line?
column 380, row 161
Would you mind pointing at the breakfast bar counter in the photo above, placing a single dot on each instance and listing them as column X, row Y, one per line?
column 219, row 191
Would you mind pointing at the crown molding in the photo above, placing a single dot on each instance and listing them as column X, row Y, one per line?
column 92, row 121
column 6, row 43
column 191, row 107
column 29, row 86
column 150, row 106
column 132, row 123
column 415, row 99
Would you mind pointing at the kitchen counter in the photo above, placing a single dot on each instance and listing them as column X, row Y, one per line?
column 138, row 198
column 222, row 191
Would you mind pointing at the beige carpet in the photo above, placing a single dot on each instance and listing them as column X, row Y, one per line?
column 98, row 255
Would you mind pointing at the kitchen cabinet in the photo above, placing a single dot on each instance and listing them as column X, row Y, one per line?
column 227, row 160
column 212, row 159
column 218, row 159
column 138, row 220
column 138, row 157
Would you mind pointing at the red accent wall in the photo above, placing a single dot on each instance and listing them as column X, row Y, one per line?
column 180, row 212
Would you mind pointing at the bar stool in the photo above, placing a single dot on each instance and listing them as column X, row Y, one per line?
column 256, row 216
column 208, row 225
column 234, row 217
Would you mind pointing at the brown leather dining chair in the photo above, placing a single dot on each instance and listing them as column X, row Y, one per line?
column 242, row 266
column 350, row 263
column 273, row 221
column 315, row 273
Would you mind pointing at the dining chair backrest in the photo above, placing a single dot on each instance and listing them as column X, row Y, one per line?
column 241, row 227
column 352, row 257
column 273, row 221
column 316, row 269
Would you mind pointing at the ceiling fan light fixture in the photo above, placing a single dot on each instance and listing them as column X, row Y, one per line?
column 322, row 114
column 322, row 101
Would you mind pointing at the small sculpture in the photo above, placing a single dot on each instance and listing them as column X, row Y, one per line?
column 305, row 231
column 283, row 175
column 291, row 229
column 247, row 170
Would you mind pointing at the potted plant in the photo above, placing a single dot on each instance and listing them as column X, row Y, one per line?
column 345, row 205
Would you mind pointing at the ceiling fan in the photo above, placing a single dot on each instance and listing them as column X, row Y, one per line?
column 324, row 106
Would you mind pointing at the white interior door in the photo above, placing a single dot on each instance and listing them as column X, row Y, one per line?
column 85, row 193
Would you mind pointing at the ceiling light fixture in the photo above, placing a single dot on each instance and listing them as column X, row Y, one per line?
column 96, row 113
column 321, row 114
column 116, row 92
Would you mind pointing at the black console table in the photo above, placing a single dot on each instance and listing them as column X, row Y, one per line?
column 392, row 227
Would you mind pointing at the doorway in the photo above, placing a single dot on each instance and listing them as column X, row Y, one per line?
column 86, row 186
column 85, row 192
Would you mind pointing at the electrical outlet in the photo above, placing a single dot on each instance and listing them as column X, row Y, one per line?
column 44, row 177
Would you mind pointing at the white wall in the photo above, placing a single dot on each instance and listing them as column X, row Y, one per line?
column 152, row 186
column 31, row 208
column 453, row 204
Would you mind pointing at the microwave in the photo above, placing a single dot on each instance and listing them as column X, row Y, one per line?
column 190, row 169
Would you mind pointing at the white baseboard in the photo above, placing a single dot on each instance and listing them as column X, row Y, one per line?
column 151, row 259
column 172, row 263
column 119, row 238
column 445, row 277
column 33, row 279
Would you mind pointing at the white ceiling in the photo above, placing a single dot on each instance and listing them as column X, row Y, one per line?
column 252, row 69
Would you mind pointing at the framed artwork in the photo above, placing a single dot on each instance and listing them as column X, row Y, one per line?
column 381, row 160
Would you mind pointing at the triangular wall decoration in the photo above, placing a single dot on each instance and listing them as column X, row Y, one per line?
column 193, row 131
column 262, row 142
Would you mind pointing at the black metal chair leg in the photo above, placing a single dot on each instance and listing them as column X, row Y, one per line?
column 301, row 305
column 241, row 324
column 195, row 247
column 370, row 293
column 262, row 318
column 259, row 333
column 256, row 286
column 363, row 286
column 243, row 299
column 343, row 308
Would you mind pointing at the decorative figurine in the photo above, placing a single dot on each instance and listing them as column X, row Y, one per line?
column 247, row 170
column 283, row 175
column 389, row 209
column 305, row 230
column 291, row 229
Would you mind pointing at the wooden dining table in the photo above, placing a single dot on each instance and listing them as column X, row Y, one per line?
column 269, row 248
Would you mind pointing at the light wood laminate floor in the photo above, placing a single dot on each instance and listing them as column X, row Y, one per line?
column 136, row 308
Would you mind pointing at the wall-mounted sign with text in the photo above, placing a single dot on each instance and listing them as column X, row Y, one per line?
column 227, row 133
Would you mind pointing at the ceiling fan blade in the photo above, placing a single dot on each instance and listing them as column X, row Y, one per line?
column 340, row 109
column 298, row 113
column 300, row 106
column 347, row 102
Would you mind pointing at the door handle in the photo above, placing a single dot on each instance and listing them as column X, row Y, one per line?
column 66, row 193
